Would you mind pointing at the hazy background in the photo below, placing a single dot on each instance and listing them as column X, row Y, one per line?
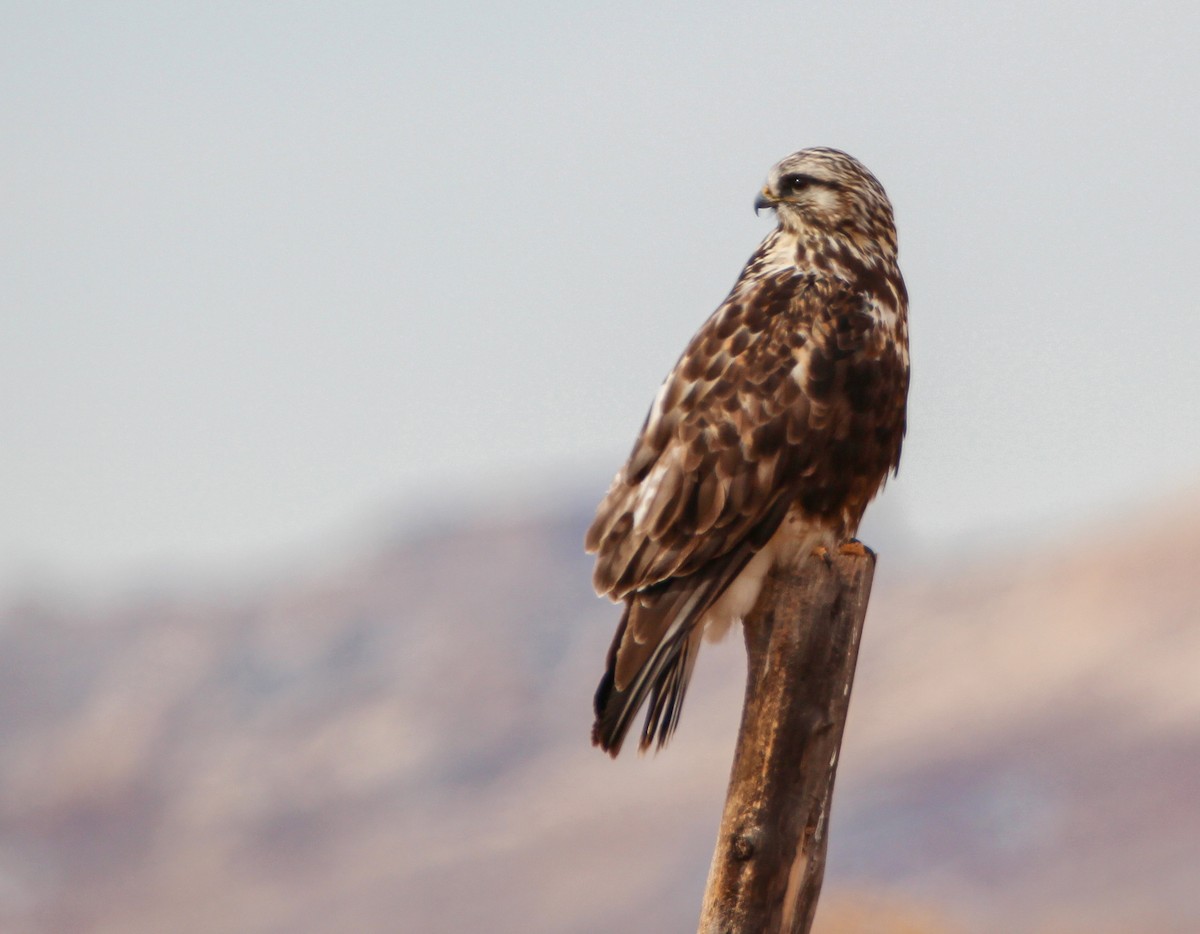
column 271, row 272
column 324, row 326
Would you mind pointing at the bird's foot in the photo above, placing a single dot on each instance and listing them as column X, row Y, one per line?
column 854, row 547
column 823, row 553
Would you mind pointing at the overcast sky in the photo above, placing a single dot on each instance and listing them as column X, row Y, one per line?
column 274, row 273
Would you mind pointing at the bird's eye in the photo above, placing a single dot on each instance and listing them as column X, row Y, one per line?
column 796, row 182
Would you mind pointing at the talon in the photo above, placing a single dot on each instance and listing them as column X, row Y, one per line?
column 823, row 553
column 854, row 547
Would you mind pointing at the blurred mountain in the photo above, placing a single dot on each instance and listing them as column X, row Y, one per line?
column 401, row 744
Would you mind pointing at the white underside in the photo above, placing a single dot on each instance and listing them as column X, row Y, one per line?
column 790, row 541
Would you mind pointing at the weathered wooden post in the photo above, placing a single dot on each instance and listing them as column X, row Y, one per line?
column 802, row 646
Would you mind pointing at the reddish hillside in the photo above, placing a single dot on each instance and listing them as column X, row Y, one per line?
column 402, row 745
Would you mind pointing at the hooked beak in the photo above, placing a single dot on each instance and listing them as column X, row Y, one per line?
column 764, row 201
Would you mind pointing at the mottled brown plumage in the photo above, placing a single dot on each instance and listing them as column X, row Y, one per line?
column 774, row 430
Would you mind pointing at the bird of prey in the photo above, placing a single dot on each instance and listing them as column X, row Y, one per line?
column 779, row 423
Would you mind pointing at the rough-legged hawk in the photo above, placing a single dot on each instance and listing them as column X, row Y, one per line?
column 767, row 440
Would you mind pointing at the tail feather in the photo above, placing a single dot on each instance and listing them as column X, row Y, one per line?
column 616, row 709
column 668, row 692
column 654, row 652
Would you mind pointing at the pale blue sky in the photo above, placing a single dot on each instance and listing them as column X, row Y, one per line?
column 273, row 274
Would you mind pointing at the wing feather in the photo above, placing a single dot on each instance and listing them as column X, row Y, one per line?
column 705, row 470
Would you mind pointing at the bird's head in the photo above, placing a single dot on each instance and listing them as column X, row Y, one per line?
column 827, row 191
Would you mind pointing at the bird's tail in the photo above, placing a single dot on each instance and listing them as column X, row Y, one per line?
column 654, row 652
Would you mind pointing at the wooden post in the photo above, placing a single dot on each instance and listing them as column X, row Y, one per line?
column 802, row 645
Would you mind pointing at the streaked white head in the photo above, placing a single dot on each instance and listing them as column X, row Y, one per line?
column 829, row 192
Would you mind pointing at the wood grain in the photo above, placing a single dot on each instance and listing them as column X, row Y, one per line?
column 802, row 644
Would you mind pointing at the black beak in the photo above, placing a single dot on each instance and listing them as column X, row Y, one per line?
column 763, row 202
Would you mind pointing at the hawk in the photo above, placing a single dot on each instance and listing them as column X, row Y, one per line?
column 779, row 423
